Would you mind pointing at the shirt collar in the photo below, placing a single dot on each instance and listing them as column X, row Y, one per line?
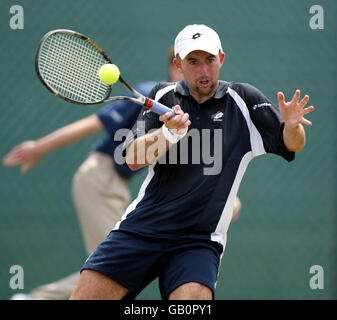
column 182, row 89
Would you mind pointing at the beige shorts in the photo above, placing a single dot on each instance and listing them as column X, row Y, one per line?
column 101, row 197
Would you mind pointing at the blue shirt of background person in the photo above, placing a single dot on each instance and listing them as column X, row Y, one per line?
column 117, row 115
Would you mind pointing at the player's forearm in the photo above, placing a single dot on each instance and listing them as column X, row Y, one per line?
column 146, row 150
column 69, row 134
column 294, row 137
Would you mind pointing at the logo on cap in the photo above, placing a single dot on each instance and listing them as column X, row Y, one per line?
column 196, row 35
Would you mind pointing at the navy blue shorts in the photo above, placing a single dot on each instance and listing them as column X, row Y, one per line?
column 134, row 261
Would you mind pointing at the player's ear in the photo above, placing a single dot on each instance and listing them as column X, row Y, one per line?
column 177, row 63
column 222, row 57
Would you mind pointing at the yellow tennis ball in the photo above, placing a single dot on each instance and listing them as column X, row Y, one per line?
column 109, row 73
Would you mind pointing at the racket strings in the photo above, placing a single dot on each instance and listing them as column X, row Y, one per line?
column 76, row 68
column 70, row 65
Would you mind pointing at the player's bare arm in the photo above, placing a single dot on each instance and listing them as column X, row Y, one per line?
column 293, row 114
column 28, row 153
column 147, row 149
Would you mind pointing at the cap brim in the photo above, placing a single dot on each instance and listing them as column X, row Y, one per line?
column 199, row 46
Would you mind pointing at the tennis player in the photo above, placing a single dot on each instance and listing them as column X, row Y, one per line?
column 176, row 228
column 100, row 185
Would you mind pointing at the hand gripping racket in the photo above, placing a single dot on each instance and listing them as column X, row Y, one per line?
column 67, row 63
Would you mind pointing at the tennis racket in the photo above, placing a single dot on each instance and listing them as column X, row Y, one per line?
column 67, row 63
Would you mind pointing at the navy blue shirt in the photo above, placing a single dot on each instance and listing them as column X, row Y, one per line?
column 117, row 115
column 191, row 194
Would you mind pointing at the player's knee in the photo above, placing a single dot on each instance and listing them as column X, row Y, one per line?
column 93, row 285
column 79, row 291
column 199, row 292
column 191, row 291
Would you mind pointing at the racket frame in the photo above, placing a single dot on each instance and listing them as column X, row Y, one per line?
column 138, row 99
column 107, row 97
column 86, row 39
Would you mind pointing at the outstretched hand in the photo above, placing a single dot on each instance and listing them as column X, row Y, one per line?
column 293, row 111
column 24, row 154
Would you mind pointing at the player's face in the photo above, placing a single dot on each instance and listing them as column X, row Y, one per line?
column 201, row 72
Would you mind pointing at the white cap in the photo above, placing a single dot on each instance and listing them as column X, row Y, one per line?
column 197, row 37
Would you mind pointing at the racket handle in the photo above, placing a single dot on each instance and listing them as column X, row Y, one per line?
column 157, row 107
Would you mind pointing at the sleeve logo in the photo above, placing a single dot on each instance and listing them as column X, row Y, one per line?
column 260, row 105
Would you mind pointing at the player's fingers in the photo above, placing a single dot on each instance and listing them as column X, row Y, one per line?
column 308, row 110
column 175, row 121
column 296, row 96
column 304, row 101
column 166, row 116
column 171, row 122
column 306, row 122
column 185, row 122
column 177, row 109
column 280, row 97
